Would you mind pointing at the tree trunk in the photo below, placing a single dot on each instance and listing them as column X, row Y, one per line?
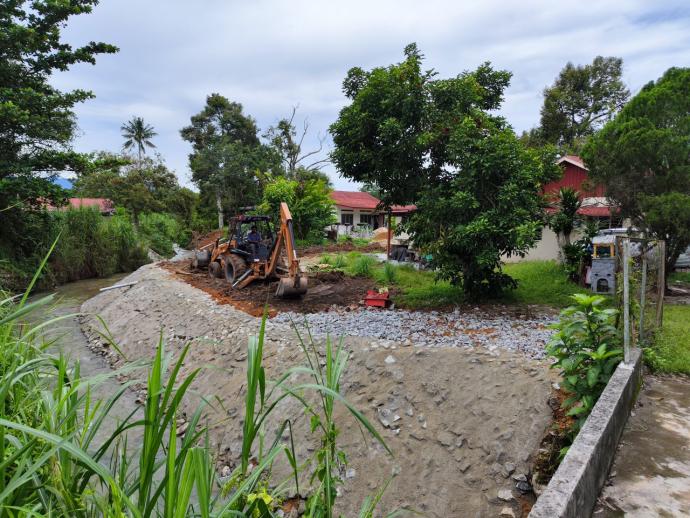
column 219, row 206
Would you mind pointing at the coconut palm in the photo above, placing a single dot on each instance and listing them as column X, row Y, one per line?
column 137, row 135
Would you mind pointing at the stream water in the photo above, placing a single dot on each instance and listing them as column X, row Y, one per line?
column 70, row 340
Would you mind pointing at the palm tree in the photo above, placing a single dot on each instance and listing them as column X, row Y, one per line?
column 137, row 135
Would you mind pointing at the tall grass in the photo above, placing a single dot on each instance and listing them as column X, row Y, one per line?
column 52, row 463
column 362, row 266
column 161, row 231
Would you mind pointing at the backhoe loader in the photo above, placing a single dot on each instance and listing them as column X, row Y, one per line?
column 253, row 251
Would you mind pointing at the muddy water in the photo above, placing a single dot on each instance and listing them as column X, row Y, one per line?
column 651, row 472
column 70, row 340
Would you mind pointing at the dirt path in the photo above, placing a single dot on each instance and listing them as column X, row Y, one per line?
column 461, row 422
column 651, row 473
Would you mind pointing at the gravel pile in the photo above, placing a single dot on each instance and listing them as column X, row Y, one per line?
column 432, row 329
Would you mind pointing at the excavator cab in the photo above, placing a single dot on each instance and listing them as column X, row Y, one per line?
column 253, row 235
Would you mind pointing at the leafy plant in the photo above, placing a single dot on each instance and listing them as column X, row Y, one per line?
column 586, row 349
column 340, row 261
column 362, row 266
column 389, row 273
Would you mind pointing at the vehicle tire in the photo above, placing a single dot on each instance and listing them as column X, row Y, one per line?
column 215, row 270
column 234, row 267
column 202, row 258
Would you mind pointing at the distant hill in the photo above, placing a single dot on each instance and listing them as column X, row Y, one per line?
column 63, row 182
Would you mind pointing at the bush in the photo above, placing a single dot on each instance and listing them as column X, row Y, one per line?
column 340, row 261
column 362, row 266
column 389, row 273
column 586, row 349
column 161, row 231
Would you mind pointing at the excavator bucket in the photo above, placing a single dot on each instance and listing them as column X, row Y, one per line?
column 289, row 287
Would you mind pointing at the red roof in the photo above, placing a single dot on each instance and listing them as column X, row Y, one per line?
column 102, row 204
column 400, row 209
column 572, row 159
column 574, row 176
column 354, row 200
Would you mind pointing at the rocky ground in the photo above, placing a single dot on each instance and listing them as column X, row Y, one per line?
column 469, row 328
column 463, row 419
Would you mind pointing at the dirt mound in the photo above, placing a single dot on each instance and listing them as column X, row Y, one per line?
column 325, row 290
column 461, row 422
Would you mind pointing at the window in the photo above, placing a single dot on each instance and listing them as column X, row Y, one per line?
column 346, row 218
column 368, row 219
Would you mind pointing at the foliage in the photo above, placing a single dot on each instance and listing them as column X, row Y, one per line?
column 437, row 143
column 226, row 154
column 60, row 456
column 642, row 158
column 389, row 273
column 309, row 201
column 577, row 254
column 148, row 186
column 284, row 139
column 564, row 221
column 586, row 349
column 137, row 135
column 541, row 282
column 161, row 231
column 340, row 261
column 36, row 118
column 581, row 100
column 671, row 349
column 362, row 265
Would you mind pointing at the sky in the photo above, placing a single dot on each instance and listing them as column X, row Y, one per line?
column 272, row 55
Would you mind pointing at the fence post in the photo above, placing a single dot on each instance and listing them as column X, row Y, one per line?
column 662, row 284
column 643, row 290
column 626, row 300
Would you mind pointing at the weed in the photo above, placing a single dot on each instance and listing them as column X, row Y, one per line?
column 586, row 347
column 671, row 349
column 340, row 261
column 362, row 266
column 326, row 259
column 389, row 273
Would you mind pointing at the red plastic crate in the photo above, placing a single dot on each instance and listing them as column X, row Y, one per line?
column 376, row 299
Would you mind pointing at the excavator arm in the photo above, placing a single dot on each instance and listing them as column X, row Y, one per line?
column 295, row 283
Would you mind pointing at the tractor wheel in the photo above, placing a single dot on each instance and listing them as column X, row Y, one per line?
column 215, row 270
column 202, row 258
column 234, row 267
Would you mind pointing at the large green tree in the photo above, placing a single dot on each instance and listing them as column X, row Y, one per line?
column 438, row 143
column 145, row 186
column 643, row 159
column 581, row 100
column 227, row 153
column 37, row 123
column 137, row 135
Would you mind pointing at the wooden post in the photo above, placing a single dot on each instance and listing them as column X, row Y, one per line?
column 661, row 281
column 388, row 246
column 643, row 290
column 626, row 300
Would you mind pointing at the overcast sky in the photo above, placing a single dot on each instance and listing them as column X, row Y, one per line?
column 272, row 55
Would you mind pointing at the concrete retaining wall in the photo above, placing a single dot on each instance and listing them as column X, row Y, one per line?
column 575, row 486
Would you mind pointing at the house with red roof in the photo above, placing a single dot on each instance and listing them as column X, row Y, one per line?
column 356, row 210
column 105, row 206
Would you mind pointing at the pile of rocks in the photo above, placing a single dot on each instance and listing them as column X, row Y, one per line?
column 470, row 328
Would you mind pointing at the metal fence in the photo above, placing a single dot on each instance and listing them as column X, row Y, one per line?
column 640, row 289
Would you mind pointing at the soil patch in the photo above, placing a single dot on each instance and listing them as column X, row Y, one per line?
column 463, row 424
column 556, row 438
column 326, row 289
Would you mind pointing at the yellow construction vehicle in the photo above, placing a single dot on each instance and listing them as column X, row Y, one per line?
column 254, row 251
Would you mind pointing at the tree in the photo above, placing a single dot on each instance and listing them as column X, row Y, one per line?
column 580, row 101
column 563, row 222
column 436, row 143
column 37, row 123
column 137, row 135
column 643, row 159
column 310, row 205
column 284, row 139
column 147, row 187
column 226, row 153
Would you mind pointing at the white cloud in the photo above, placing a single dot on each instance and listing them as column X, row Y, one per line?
column 271, row 54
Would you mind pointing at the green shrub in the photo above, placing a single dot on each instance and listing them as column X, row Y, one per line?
column 587, row 350
column 340, row 261
column 362, row 266
column 389, row 273
column 161, row 231
column 325, row 259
